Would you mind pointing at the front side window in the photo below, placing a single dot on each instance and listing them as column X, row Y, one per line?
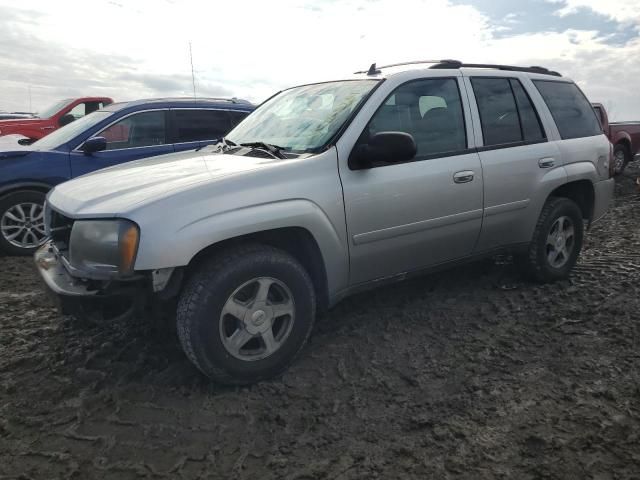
column 570, row 109
column 197, row 125
column 429, row 110
column 139, row 130
column 303, row 119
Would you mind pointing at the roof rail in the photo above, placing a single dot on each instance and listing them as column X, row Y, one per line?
column 510, row 68
column 373, row 70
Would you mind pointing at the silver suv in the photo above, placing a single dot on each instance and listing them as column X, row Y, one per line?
column 330, row 188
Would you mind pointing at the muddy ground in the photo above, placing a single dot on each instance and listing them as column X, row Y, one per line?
column 467, row 374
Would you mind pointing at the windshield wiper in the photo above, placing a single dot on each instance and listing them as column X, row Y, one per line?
column 225, row 144
column 274, row 150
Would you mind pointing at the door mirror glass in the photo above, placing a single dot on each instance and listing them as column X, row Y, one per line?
column 66, row 119
column 387, row 147
column 95, row 144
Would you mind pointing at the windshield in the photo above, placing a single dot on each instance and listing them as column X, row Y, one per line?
column 303, row 118
column 53, row 109
column 69, row 131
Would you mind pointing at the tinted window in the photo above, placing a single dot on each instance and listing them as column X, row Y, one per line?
column 195, row 125
column 531, row 127
column 498, row 112
column 430, row 110
column 571, row 110
column 236, row 117
column 139, row 130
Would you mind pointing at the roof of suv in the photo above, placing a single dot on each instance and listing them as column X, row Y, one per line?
column 185, row 102
column 375, row 70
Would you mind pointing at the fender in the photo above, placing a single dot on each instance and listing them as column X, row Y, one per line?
column 179, row 248
column 620, row 137
column 12, row 187
column 555, row 178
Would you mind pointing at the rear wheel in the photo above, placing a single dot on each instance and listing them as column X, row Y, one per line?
column 621, row 158
column 22, row 228
column 245, row 315
column 556, row 242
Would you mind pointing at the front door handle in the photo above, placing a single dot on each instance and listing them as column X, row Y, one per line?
column 47, row 128
column 546, row 162
column 463, row 177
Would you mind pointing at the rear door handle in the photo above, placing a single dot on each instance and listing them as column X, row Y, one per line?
column 463, row 177
column 46, row 128
column 546, row 162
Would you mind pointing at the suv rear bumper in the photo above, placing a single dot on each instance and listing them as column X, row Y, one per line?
column 603, row 191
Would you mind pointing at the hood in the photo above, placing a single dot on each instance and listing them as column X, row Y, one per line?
column 116, row 190
column 20, row 122
column 9, row 146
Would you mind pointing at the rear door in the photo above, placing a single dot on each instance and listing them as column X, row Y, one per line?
column 196, row 127
column 516, row 155
column 135, row 136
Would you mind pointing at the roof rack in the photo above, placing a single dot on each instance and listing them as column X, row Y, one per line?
column 510, row 68
column 438, row 64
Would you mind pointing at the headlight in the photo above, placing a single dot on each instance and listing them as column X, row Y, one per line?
column 108, row 246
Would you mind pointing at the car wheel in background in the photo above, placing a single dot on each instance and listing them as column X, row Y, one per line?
column 621, row 157
column 22, row 228
column 246, row 313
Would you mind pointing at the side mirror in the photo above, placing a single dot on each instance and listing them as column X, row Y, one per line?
column 66, row 119
column 94, row 144
column 389, row 147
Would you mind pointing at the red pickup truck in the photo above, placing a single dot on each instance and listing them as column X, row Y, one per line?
column 58, row 115
column 625, row 137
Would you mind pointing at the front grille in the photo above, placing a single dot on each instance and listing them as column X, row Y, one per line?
column 60, row 230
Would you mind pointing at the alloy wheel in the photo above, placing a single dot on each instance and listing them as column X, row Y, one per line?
column 257, row 318
column 560, row 242
column 22, row 225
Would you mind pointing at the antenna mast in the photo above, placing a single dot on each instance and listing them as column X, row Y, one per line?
column 193, row 77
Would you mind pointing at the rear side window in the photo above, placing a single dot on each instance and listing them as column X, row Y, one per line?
column 507, row 115
column 197, row 125
column 571, row 110
column 531, row 127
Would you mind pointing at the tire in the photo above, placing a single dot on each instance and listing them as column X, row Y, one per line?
column 232, row 280
column 29, row 229
column 621, row 158
column 537, row 263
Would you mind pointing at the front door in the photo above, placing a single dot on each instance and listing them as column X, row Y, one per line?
column 136, row 136
column 408, row 216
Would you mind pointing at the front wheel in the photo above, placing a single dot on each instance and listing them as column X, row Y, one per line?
column 22, row 228
column 246, row 314
column 556, row 243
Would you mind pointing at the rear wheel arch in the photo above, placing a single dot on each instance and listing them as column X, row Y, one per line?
column 296, row 241
column 579, row 191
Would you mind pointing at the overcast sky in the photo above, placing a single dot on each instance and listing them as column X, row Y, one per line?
column 130, row 49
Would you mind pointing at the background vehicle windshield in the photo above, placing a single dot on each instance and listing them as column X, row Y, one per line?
column 53, row 109
column 69, row 131
column 303, row 118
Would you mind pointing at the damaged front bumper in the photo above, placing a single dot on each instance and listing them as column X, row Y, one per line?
column 73, row 294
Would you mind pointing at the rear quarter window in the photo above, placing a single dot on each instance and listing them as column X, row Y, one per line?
column 572, row 112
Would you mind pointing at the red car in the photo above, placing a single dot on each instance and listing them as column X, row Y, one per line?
column 58, row 115
column 625, row 137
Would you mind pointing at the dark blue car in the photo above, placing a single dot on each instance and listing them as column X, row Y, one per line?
column 118, row 133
